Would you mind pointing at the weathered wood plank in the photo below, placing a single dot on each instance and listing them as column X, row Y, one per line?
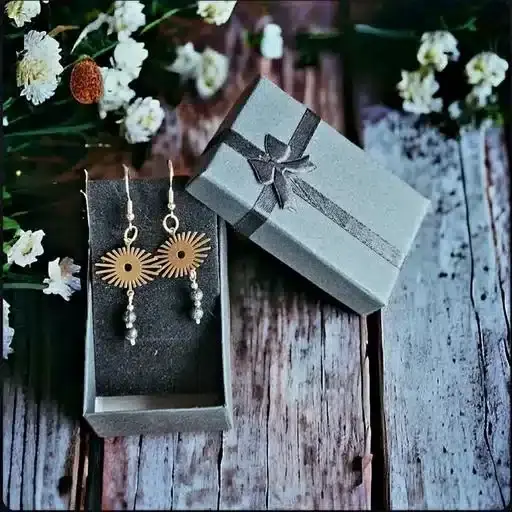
column 39, row 431
column 297, row 392
column 446, row 330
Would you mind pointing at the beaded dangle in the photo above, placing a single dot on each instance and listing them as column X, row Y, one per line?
column 182, row 253
column 128, row 267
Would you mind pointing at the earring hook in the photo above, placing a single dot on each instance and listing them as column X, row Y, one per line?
column 131, row 231
column 171, row 205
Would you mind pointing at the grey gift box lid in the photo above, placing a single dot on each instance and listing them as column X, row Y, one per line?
column 352, row 222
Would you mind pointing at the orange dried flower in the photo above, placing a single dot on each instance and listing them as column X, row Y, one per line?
column 86, row 83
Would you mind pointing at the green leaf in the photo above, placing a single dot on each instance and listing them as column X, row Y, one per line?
column 10, row 224
column 6, row 268
column 5, row 195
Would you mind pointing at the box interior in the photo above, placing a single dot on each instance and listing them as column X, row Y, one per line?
column 175, row 363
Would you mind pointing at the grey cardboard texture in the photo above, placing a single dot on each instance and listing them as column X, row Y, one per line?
column 178, row 375
column 339, row 252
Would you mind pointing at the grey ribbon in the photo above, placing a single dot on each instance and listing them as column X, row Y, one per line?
column 276, row 168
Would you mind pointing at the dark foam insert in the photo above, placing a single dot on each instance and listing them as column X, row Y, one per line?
column 173, row 354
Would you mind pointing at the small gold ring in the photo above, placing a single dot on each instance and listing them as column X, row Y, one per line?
column 130, row 239
column 171, row 230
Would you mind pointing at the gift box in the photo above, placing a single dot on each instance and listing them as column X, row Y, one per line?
column 177, row 377
column 296, row 187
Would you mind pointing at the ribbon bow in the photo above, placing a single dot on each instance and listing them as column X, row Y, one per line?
column 273, row 166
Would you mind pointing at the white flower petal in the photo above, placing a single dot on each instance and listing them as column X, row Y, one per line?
column 212, row 73
column 454, row 110
column 444, row 40
column 215, row 12
column 38, row 71
column 116, row 91
column 486, row 68
column 128, row 17
column 129, row 56
column 272, row 42
column 26, row 249
column 143, row 119
column 480, row 95
column 22, row 11
column 417, row 90
column 432, row 54
column 61, row 280
column 187, row 61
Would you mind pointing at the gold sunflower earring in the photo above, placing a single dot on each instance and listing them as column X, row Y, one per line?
column 128, row 267
column 182, row 253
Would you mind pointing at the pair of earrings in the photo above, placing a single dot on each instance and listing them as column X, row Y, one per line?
column 180, row 255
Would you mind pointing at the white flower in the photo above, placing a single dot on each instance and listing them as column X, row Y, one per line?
column 129, row 56
column 486, row 68
column 212, row 72
column 215, row 12
column 116, row 92
column 417, row 89
column 272, row 42
column 454, row 110
column 143, row 119
column 187, row 61
column 435, row 49
column 61, row 280
column 479, row 96
column 26, row 249
column 5, row 121
column 39, row 69
column 8, row 331
column 128, row 17
column 22, row 11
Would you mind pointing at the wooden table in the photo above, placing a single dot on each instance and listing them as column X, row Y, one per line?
column 407, row 408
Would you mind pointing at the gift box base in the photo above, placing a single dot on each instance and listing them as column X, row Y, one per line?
column 177, row 376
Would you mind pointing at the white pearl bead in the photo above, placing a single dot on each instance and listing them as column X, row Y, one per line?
column 194, row 285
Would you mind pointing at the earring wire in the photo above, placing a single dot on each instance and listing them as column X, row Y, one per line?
column 131, row 232
column 171, row 205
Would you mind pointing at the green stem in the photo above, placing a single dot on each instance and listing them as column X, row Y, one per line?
column 104, row 50
column 19, row 147
column 23, row 286
column 362, row 28
column 52, row 131
column 168, row 14
column 383, row 32
column 24, row 278
column 37, row 112
column 7, row 103
column 93, row 56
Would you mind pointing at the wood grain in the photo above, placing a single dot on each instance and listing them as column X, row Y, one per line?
column 446, row 331
column 41, row 429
